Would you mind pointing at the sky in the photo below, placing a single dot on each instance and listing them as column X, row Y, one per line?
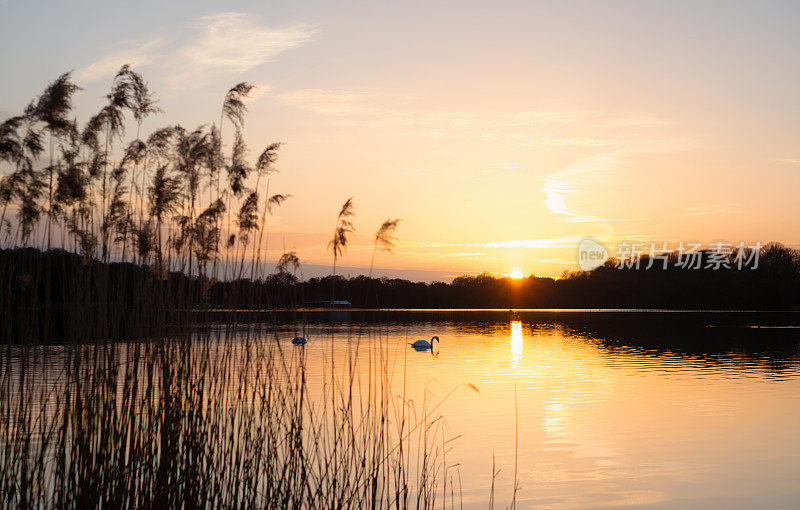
column 501, row 133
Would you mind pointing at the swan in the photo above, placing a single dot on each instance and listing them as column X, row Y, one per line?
column 299, row 340
column 424, row 344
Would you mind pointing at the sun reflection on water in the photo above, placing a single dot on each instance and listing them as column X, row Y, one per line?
column 590, row 422
column 516, row 340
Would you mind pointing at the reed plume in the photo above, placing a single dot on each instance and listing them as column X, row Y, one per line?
column 385, row 239
column 338, row 245
column 115, row 389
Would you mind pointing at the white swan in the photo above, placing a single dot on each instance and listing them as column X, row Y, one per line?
column 299, row 340
column 424, row 345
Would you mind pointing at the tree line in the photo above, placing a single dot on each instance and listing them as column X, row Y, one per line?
column 774, row 284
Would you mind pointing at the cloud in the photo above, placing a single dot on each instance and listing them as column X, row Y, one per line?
column 138, row 55
column 583, row 172
column 697, row 210
column 591, row 173
column 555, row 116
column 505, row 166
column 233, row 42
column 396, row 116
column 227, row 43
column 562, row 262
column 571, row 141
column 557, row 242
column 560, row 242
column 329, row 102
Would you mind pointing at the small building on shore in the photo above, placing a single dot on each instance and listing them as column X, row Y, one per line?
column 333, row 303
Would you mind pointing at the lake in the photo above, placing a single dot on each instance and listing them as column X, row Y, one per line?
column 585, row 409
column 612, row 410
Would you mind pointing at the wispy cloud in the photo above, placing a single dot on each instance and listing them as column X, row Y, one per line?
column 561, row 262
column 562, row 187
column 556, row 242
column 233, row 41
column 697, row 210
column 506, row 165
column 434, row 244
column 226, row 43
column 560, row 242
column 559, row 186
column 378, row 114
column 382, row 115
column 572, row 141
column 329, row 102
column 139, row 54
column 554, row 117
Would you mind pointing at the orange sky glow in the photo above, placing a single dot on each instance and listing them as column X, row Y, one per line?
column 500, row 136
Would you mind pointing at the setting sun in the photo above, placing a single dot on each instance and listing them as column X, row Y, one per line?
column 516, row 274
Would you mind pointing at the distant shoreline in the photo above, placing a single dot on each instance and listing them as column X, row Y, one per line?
column 501, row 310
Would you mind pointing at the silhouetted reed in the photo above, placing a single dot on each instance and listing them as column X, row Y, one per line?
column 117, row 390
column 338, row 244
column 217, row 416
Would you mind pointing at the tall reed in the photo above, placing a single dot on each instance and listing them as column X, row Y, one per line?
column 117, row 389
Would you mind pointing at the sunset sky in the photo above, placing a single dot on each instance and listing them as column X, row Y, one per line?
column 501, row 133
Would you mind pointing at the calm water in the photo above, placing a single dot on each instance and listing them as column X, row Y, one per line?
column 603, row 410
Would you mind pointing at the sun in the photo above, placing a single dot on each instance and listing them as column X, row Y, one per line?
column 516, row 274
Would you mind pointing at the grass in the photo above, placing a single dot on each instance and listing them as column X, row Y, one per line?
column 114, row 393
column 219, row 415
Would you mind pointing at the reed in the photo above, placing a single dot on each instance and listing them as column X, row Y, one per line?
column 215, row 415
column 116, row 388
